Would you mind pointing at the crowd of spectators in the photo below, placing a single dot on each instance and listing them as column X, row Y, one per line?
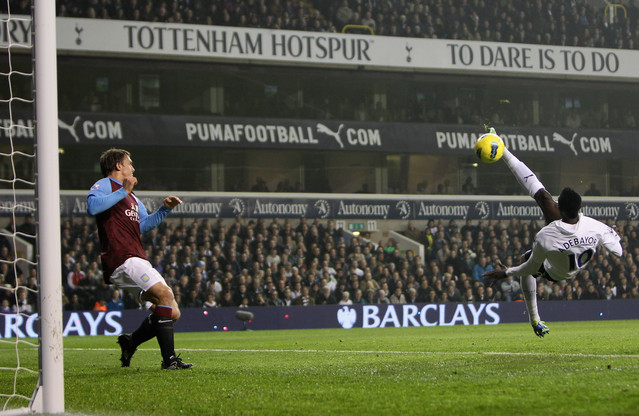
column 570, row 23
column 247, row 263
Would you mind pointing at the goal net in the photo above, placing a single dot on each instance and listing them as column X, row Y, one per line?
column 31, row 353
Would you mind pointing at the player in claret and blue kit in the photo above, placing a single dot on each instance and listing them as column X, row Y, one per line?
column 121, row 218
column 563, row 247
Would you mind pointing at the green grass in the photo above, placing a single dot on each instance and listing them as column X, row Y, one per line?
column 580, row 368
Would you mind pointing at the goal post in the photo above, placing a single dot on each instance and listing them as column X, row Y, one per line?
column 31, row 375
column 48, row 213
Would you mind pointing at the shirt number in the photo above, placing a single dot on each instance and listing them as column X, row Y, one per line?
column 579, row 261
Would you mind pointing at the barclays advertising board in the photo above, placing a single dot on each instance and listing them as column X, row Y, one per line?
column 91, row 323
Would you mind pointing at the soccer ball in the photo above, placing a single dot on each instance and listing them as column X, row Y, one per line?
column 489, row 148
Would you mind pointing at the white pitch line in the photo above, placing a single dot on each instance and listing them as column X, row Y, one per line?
column 542, row 354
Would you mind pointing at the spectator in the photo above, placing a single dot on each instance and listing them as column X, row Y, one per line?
column 100, row 305
column 27, row 229
column 346, row 299
column 325, row 297
column 398, row 297
column 259, row 300
column 510, row 289
column 75, row 304
column 382, row 298
column 274, row 299
column 591, row 292
column 227, row 299
column 22, row 304
column 5, row 307
column 481, row 295
column 76, row 277
column 287, row 299
column 413, row 232
column 468, row 296
column 556, row 294
column 343, row 15
column 592, row 190
column 573, row 119
column 115, row 303
column 210, row 301
column 452, row 293
column 480, row 268
column 305, row 299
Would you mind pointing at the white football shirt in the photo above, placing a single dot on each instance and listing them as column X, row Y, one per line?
column 563, row 249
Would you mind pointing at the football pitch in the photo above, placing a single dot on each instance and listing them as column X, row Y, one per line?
column 580, row 368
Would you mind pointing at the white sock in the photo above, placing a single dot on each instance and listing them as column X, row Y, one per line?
column 524, row 175
column 529, row 289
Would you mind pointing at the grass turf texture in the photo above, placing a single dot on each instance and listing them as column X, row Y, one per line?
column 580, row 368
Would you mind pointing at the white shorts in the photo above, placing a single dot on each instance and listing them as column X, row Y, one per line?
column 135, row 274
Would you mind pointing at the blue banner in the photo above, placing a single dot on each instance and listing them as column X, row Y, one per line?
column 123, row 130
column 92, row 323
column 339, row 207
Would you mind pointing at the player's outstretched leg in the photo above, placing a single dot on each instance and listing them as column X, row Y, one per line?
column 522, row 173
column 532, row 184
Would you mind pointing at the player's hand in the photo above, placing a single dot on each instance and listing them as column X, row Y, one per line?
column 129, row 183
column 498, row 273
column 172, row 201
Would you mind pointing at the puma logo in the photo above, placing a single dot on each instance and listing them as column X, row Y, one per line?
column 321, row 128
column 70, row 128
column 570, row 143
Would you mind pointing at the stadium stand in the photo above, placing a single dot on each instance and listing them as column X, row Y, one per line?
column 237, row 263
column 254, row 263
column 576, row 23
column 557, row 23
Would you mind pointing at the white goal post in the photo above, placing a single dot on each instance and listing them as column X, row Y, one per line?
column 48, row 202
column 48, row 393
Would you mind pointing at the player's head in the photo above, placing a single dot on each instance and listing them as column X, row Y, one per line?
column 569, row 203
column 110, row 159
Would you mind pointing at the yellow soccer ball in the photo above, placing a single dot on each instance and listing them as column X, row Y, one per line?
column 489, row 148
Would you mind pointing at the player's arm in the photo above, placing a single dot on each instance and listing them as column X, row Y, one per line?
column 612, row 242
column 529, row 267
column 101, row 197
column 149, row 222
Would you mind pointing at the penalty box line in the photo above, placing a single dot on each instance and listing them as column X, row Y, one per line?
column 302, row 351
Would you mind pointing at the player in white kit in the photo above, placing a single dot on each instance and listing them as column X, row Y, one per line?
column 561, row 248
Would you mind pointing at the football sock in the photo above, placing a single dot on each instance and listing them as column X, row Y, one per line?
column 524, row 175
column 163, row 324
column 529, row 289
column 145, row 332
